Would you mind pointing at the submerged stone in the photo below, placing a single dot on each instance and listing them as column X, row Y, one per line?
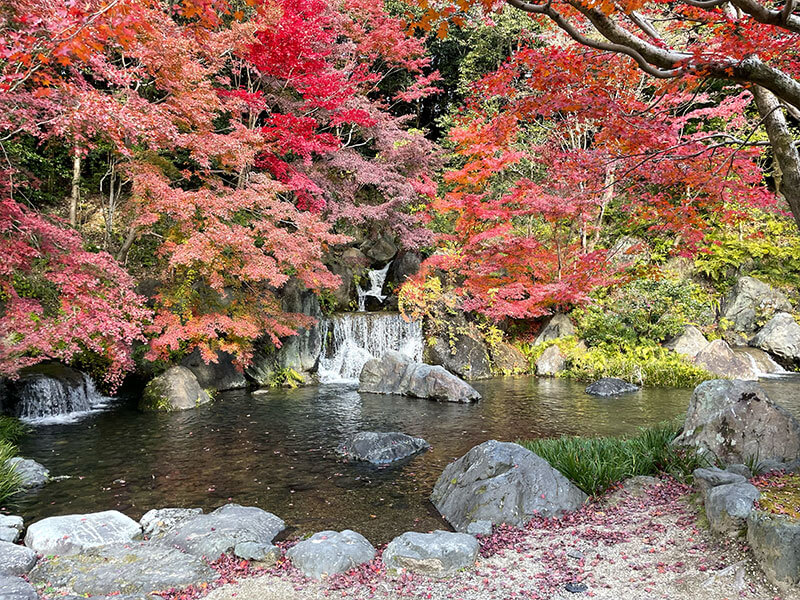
column 381, row 448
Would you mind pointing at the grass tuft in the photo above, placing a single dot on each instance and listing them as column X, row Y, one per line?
column 10, row 431
column 596, row 464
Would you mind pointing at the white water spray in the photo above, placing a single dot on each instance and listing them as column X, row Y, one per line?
column 377, row 278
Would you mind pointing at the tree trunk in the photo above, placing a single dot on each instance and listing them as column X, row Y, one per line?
column 784, row 151
column 76, row 188
column 122, row 255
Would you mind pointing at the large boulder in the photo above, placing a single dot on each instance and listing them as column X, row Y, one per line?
column 610, row 386
column 507, row 360
column 781, row 338
column 551, row 362
column 380, row 250
column 327, row 553
column 502, row 482
column 405, row 265
column 689, row 343
column 381, row 448
column 219, row 375
column 437, row 554
column 219, row 532
column 132, row 568
column 349, row 265
column 720, row 359
column 728, row 506
column 775, row 542
column 557, row 326
column 760, row 361
column 750, row 303
column 14, row 588
column 395, row 373
column 460, row 349
column 74, row 534
column 175, row 389
column 15, row 559
column 31, row 473
column 734, row 421
column 157, row 521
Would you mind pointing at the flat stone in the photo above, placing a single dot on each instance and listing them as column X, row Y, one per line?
column 381, row 448
column 395, row 373
column 132, row 568
column 15, row 559
column 267, row 554
column 775, row 542
column 502, row 482
column 437, row 554
column 480, row 528
column 157, row 521
column 219, row 532
column 711, row 477
column 32, row 474
column 611, row 386
column 728, row 506
column 73, row 534
column 330, row 552
column 14, row 588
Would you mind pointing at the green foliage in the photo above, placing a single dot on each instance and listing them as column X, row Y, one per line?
column 595, row 464
column 10, row 431
column 286, row 377
column 327, row 302
column 643, row 311
column 767, row 247
column 648, row 365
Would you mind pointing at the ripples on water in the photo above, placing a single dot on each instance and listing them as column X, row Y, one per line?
column 275, row 449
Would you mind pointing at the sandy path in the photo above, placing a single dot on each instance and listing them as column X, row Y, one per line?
column 641, row 544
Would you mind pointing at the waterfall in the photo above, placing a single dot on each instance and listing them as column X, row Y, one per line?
column 41, row 397
column 377, row 277
column 351, row 339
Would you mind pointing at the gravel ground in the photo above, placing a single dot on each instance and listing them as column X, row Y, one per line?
column 643, row 543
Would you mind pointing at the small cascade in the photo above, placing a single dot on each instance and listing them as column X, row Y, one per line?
column 377, row 277
column 760, row 361
column 351, row 339
column 42, row 397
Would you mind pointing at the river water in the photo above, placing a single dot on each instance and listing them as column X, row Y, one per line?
column 275, row 449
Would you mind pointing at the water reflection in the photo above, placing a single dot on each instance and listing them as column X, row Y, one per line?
column 275, row 449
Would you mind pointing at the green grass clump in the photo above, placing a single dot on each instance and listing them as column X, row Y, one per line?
column 10, row 431
column 595, row 464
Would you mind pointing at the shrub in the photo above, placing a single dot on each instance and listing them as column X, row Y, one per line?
column 595, row 464
column 643, row 311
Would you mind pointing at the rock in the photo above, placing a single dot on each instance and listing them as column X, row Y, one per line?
column 32, row 474
column 131, row 568
column 734, row 421
column 394, row 373
column 380, row 250
column 720, row 359
column 480, row 528
column 772, row 465
column 74, row 534
column 558, row 326
column 752, row 302
column 507, row 360
column 381, row 448
column 157, row 521
column 219, row 532
column 327, row 553
column 461, row 351
column 14, row 588
column 436, row 554
column 739, row 469
column 760, row 361
column 502, row 482
column 405, row 265
column 15, row 559
column 781, row 338
column 729, row 505
column 175, row 389
column 575, row 587
column 265, row 554
column 10, row 528
column 350, row 264
column 689, row 343
column 775, row 542
column 551, row 362
column 611, row 386
column 220, row 375
column 711, row 477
